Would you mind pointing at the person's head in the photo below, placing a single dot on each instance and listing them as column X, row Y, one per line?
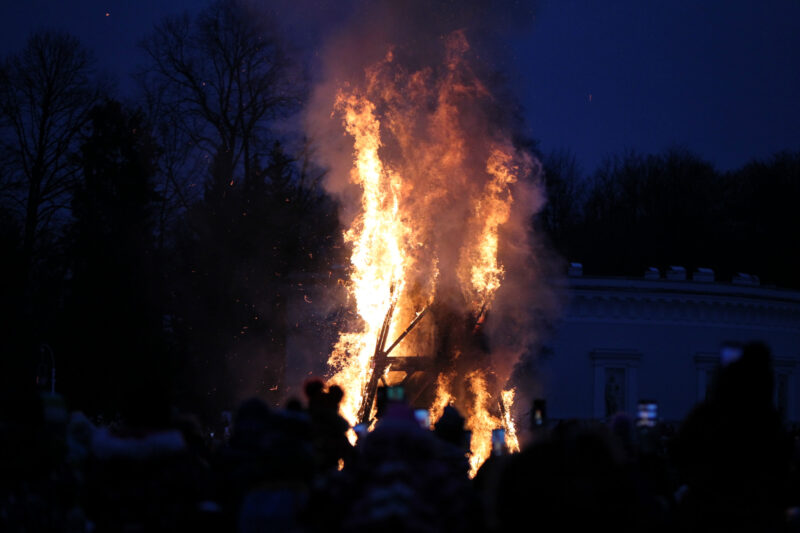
column 450, row 427
column 315, row 394
column 250, row 423
column 313, row 388
column 749, row 378
column 335, row 396
column 192, row 431
column 294, row 405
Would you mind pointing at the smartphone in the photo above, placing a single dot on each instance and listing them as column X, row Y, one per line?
column 498, row 441
column 647, row 415
column 539, row 412
column 729, row 352
column 396, row 393
column 360, row 429
column 423, row 418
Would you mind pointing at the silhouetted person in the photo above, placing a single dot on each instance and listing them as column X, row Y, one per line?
column 25, row 461
column 142, row 476
column 450, row 427
column 733, row 454
column 329, row 428
column 575, row 480
column 293, row 404
column 285, row 466
column 264, row 471
column 402, row 479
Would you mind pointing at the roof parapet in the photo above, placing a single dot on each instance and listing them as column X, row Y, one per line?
column 575, row 270
column 703, row 275
column 652, row 273
column 742, row 278
column 676, row 273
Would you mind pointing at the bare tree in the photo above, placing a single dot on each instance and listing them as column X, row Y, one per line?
column 46, row 92
column 565, row 185
column 221, row 77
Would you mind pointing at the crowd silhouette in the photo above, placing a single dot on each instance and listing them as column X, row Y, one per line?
column 731, row 465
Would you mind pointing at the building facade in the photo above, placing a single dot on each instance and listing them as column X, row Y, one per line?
column 625, row 340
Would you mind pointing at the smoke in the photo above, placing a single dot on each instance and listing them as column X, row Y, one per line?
column 428, row 73
column 363, row 31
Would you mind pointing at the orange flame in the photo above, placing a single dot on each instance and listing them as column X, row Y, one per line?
column 480, row 422
column 481, row 271
column 377, row 260
column 437, row 185
column 443, row 397
column 512, row 442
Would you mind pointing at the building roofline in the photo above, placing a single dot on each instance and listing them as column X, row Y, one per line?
column 625, row 284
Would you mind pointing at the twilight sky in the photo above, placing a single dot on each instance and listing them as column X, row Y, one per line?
column 721, row 77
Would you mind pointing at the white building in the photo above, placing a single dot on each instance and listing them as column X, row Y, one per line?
column 623, row 340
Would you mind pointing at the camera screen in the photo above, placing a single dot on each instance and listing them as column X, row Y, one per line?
column 729, row 353
column 360, row 429
column 498, row 440
column 539, row 411
column 423, row 417
column 395, row 394
column 648, row 414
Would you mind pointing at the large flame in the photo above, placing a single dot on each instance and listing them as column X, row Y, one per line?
column 378, row 257
column 437, row 182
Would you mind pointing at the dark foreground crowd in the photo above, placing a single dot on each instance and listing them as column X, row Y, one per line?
column 730, row 466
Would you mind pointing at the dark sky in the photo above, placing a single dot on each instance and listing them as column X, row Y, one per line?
column 720, row 77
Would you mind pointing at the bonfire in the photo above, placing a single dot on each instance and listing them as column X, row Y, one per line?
column 445, row 195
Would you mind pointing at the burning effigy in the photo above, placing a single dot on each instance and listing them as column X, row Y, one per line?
column 438, row 213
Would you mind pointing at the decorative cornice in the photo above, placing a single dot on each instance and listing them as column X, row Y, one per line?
column 665, row 302
column 684, row 287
